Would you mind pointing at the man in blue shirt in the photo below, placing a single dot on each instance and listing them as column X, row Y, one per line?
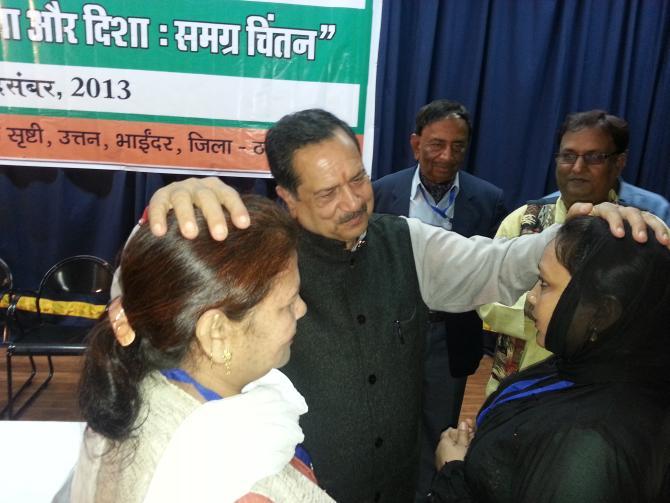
column 615, row 134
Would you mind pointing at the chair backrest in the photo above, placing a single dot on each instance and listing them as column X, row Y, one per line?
column 6, row 284
column 83, row 278
column 6, row 281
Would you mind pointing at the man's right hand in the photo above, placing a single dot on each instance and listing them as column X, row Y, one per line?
column 208, row 194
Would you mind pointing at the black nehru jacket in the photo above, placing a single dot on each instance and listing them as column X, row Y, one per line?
column 357, row 359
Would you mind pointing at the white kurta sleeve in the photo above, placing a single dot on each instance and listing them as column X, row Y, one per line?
column 457, row 274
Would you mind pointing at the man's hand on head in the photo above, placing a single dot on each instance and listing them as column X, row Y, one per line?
column 208, row 194
column 615, row 215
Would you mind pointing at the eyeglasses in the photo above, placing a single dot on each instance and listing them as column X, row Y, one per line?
column 590, row 158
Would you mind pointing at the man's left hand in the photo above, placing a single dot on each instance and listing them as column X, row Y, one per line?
column 615, row 215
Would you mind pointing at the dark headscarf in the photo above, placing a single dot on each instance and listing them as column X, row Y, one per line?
column 611, row 322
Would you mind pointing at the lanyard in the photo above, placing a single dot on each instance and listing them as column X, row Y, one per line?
column 180, row 375
column 441, row 212
column 520, row 390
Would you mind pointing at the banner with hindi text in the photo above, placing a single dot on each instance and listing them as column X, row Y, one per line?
column 178, row 85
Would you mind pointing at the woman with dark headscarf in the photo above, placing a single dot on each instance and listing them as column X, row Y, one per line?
column 189, row 405
column 591, row 423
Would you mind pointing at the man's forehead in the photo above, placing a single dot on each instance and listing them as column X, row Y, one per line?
column 450, row 126
column 593, row 138
column 321, row 163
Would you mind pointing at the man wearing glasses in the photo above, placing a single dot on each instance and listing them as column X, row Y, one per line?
column 592, row 154
column 436, row 192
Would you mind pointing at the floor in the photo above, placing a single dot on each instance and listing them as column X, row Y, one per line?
column 58, row 402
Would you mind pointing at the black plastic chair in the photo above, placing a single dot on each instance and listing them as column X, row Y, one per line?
column 6, row 284
column 58, row 326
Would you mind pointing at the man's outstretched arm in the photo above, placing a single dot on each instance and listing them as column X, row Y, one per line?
column 211, row 194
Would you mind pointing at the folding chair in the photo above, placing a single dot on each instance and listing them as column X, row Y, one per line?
column 71, row 297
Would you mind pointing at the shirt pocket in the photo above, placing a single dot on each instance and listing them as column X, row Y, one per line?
column 404, row 329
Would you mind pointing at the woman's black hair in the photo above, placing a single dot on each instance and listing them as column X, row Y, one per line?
column 611, row 320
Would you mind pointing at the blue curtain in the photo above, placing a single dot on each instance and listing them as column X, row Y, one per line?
column 48, row 214
column 520, row 66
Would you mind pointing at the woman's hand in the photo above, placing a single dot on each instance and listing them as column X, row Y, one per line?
column 454, row 443
column 208, row 194
column 615, row 215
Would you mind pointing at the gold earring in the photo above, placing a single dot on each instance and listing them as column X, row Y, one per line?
column 211, row 359
column 594, row 334
column 227, row 359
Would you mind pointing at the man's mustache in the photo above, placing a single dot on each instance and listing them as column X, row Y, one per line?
column 347, row 217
